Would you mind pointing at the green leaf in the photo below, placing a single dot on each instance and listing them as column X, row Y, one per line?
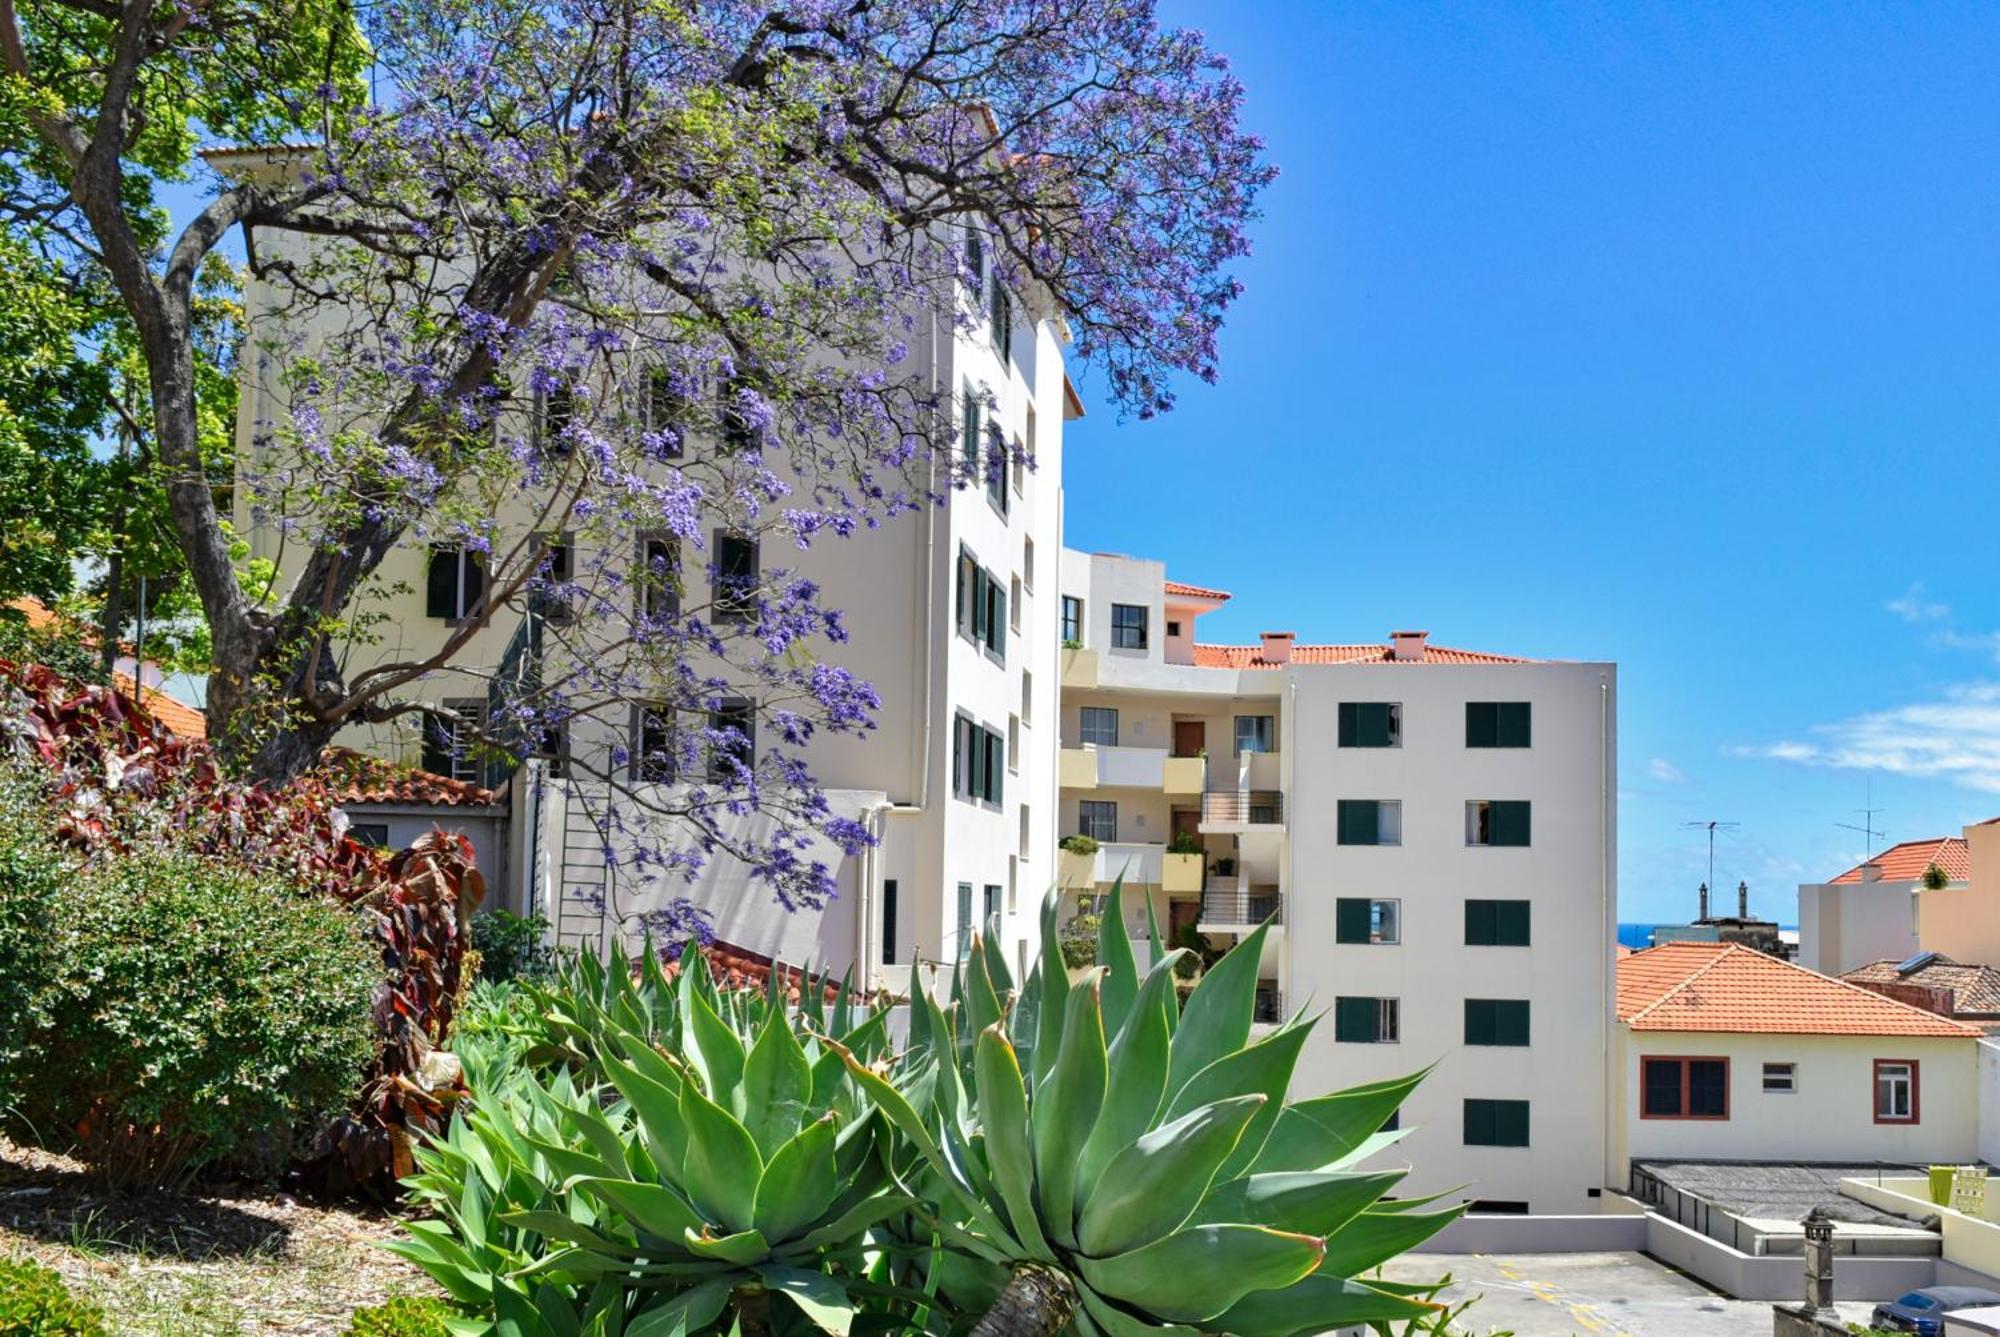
column 1320, row 1133
column 742, row 1248
column 1264, row 1068
column 515, row 1316
column 1310, row 1202
column 657, row 1107
column 1373, row 1238
column 777, row 1084
column 1138, row 1073
column 1054, row 991
column 1066, row 1107
column 678, row 1315
column 1318, row 1303
column 799, row 1182
column 819, row 1297
column 1118, row 1322
column 1217, row 1019
column 851, row 1222
column 1003, row 1110
column 997, row 973
column 981, row 1002
column 1199, row 1272
column 722, row 1164
column 1155, row 1184
column 1114, row 953
column 716, row 1054
column 558, row 1226
column 652, row 1208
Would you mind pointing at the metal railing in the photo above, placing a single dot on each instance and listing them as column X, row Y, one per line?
column 1270, row 1007
column 1249, row 807
column 1239, row 905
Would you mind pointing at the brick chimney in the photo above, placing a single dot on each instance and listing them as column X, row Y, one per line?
column 1407, row 645
column 1871, row 872
column 1278, row 646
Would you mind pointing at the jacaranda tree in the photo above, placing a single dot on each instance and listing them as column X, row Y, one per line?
column 632, row 267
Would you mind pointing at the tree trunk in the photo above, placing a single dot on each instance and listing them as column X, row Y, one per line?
column 1038, row 1302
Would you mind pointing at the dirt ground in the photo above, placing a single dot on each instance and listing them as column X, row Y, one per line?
column 199, row 1264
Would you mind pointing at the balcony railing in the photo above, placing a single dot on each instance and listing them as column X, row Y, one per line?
column 1243, row 807
column 1241, row 905
column 1270, row 1006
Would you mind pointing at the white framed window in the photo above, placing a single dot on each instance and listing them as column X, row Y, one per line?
column 1256, row 733
column 1098, row 819
column 1028, row 565
column 1128, row 626
column 1014, row 604
column 1896, row 1098
column 1781, row 1078
column 1098, row 726
column 1014, row 744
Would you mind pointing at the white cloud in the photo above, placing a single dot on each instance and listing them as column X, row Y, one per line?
column 1912, row 606
column 1659, row 768
column 1955, row 737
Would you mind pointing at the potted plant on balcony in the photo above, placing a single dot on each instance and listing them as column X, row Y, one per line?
column 1077, row 862
column 1182, row 871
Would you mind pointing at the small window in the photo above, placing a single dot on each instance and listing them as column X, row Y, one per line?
column 1496, row 923
column 1498, row 723
column 1896, row 1098
column 1256, row 733
column 982, row 606
column 732, row 412
column 1072, row 621
column 1496, row 1123
column 1098, row 819
column 659, row 578
column 737, row 576
column 1028, row 565
column 1368, row 1021
column 552, row 747
column 1128, row 626
column 1496, row 1021
column 1014, row 604
column 974, row 275
column 1368, row 821
column 1684, row 1088
column 996, row 471
column 1496, row 1207
column 968, row 443
column 555, row 417
column 1359, row 920
column 1173, row 628
column 990, row 904
column 1014, row 744
column 653, row 760
column 1371, row 724
column 1098, row 726
column 964, row 933
column 451, row 744
column 1003, row 323
column 1781, row 1078
column 978, row 760
column 666, row 415
column 1027, row 698
column 889, row 910
column 454, row 584
column 375, row 835
column 732, row 744
column 1496, row 822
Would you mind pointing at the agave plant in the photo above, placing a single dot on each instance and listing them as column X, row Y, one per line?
column 736, row 1164
column 1098, row 1157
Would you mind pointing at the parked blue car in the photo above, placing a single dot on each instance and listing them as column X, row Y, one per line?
column 1923, row 1311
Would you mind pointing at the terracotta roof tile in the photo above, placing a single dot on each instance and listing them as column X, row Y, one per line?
column 1724, row 987
column 359, row 778
column 1186, row 591
column 1906, row 862
column 1974, row 989
column 179, row 717
column 1252, row 656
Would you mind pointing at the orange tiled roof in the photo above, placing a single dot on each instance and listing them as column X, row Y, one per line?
column 179, row 717
column 1906, row 862
column 360, row 778
column 1187, row 591
column 1725, row 987
column 1974, row 989
column 1252, row 656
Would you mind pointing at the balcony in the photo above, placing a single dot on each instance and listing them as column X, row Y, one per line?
column 1097, row 765
column 1229, row 905
column 1182, row 872
column 1138, row 863
column 1230, row 810
column 1079, row 668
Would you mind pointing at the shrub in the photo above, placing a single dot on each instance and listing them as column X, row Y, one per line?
column 1078, row 844
column 1936, row 879
column 1079, row 938
column 511, row 946
column 32, row 873
column 1186, row 842
column 405, row 1316
column 198, row 1013
column 35, row 1303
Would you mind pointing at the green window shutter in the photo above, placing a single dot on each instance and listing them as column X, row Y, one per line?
column 1510, row 1021
column 1350, row 723
column 1479, row 1021
column 437, row 747
column 996, row 755
column 1481, row 927
column 1351, row 919
column 1478, row 1123
column 441, row 584
column 996, row 620
column 1511, row 923
column 1354, row 1020
column 1513, row 724
column 979, row 610
column 1374, row 724
column 1508, row 820
column 970, row 445
column 1358, row 821
column 1510, row 1123
column 1482, row 724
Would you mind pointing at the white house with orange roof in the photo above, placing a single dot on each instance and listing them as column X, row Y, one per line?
column 1726, row 1053
column 1430, row 832
column 1871, row 911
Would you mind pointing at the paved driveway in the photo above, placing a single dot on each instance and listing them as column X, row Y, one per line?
column 1590, row 1295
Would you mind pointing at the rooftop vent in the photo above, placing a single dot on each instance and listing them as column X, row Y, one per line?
column 1278, row 646
column 1407, row 645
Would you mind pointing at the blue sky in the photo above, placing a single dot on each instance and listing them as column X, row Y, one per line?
column 1659, row 334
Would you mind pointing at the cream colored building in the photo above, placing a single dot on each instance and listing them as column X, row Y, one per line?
column 957, row 781
column 1872, row 912
column 1430, row 832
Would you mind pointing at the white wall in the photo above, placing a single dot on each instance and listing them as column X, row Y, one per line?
column 1843, row 925
column 1831, row 1117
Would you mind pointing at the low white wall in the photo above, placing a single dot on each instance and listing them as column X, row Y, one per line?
column 1604, row 1233
column 1970, row 1243
column 1780, row 1277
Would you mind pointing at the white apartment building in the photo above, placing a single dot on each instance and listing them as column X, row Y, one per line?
column 1431, row 833
column 951, row 615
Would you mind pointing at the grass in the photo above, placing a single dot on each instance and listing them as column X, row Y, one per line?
column 203, row 1263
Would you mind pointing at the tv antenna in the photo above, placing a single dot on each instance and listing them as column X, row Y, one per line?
column 1867, row 827
column 1711, row 827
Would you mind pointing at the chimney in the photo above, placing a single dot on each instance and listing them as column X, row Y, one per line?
column 1742, row 900
column 1407, row 645
column 1703, row 917
column 1278, row 646
column 1871, row 872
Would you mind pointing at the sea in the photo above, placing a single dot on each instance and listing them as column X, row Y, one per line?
column 1640, row 936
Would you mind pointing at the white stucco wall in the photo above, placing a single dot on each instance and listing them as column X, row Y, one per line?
column 1843, row 925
